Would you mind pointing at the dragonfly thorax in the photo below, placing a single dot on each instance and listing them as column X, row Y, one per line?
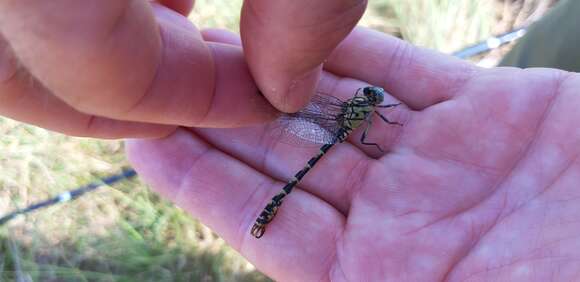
column 356, row 111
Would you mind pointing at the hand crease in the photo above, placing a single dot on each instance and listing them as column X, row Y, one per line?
column 149, row 89
column 474, row 243
column 331, row 261
column 205, row 116
column 357, row 173
column 189, row 172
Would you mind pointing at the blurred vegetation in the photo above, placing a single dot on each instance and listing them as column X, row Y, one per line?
column 442, row 25
column 127, row 233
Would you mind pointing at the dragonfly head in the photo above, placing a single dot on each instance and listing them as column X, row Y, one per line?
column 376, row 95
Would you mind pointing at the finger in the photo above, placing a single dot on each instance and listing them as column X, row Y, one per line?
column 227, row 48
column 417, row 77
column 25, row 100
column 115, row 60
column 236, row 101
column 92, row 43
column 183, row 7
column 221, row 36
column 285, row 43
column 227, row 195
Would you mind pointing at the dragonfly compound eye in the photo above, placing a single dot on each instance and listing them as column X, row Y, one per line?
column 374, row 94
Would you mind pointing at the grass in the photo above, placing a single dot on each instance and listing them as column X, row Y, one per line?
column 128, row 233
column 124, row 233
column 442, row 25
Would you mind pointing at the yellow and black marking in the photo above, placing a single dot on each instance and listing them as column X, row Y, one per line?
column 271, row 208
column 354, row 112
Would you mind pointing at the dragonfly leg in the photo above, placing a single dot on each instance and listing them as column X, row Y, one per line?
column 388, row 121
column 389, row 105
column 364, row 136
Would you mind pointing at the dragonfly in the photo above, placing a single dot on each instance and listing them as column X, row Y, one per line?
column 327, row 120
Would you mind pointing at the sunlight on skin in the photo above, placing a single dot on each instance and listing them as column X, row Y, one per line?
column 480, row 185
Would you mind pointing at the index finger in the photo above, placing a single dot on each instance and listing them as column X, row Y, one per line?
column 285, row 43
column 133, row 61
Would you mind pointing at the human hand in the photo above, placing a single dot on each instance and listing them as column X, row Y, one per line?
column 480, row 184
column 114, row 69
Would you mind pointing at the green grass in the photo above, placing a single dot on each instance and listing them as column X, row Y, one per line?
column 124, row 233
column 128, row 233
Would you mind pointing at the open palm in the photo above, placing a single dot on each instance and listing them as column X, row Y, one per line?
column 481, row 183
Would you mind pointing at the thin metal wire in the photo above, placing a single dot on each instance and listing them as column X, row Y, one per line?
column 71, row 195
column 490, row 43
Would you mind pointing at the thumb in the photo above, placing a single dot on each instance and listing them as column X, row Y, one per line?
column 286, row 42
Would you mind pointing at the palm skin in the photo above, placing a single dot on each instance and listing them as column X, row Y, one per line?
column 478, row 185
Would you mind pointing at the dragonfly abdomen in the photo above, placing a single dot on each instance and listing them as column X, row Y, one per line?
column 271, row 208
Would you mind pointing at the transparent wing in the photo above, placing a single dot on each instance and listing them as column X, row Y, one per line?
column 301, row 132
column 317, row 123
